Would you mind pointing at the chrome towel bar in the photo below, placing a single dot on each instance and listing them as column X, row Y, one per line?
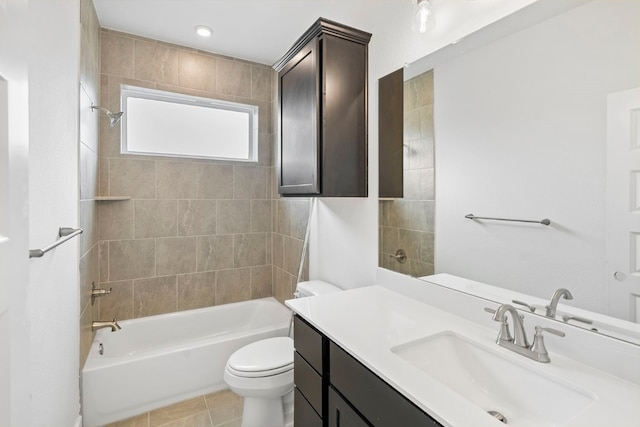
column 543, row 221
column 64, row 234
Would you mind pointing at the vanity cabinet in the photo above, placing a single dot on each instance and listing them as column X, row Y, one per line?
column 322, row 113
column 351, row 395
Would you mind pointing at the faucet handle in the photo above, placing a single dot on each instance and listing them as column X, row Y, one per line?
column 538, row 346
column 504, row 334
column 524, row 304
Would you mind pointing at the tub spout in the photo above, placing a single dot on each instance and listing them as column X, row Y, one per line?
column 95, row 325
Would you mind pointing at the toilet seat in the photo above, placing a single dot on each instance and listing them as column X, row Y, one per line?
column 263, row 358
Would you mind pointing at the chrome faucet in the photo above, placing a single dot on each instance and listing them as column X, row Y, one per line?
column 553, row 305
column 536, row 351
column 95, row 325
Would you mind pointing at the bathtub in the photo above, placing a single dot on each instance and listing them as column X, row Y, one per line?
column 158, row 360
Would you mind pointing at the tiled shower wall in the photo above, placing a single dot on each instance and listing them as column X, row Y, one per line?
column 408, row 223
column 88, row 145
column 195, row 233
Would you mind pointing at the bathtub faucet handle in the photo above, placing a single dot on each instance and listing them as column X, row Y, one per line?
column 97, row 292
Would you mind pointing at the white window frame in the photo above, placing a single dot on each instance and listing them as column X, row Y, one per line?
column 127, row 91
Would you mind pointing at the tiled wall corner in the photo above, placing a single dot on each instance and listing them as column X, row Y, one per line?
column 408, row 223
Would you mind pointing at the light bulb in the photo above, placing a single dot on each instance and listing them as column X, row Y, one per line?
column 423, row 17
column 203, row 30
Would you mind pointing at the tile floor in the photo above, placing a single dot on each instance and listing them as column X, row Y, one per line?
column 221, row 409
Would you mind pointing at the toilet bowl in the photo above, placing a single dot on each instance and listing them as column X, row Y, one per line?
column 262, row 373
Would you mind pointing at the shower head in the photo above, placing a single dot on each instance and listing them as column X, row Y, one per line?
column 114, row 118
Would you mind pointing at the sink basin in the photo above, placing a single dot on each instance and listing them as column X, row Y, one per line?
column 526, row 397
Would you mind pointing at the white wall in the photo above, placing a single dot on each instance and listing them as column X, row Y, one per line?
column 520, row 133
column 53, row 290
column 344, row 240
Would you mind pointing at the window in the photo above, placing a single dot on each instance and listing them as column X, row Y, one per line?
column 162, row 123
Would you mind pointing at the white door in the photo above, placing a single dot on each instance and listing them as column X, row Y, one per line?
column 623, row 204
column 14, row 267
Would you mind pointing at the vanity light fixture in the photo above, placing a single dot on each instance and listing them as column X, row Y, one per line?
column 203, row 31
column 423, row 19
column 114, row 118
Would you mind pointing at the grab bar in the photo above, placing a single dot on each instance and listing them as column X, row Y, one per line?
column 64, row 234
column 543, row 221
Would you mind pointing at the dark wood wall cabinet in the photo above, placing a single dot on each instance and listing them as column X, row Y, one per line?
column 335, row 390
column 390, row 134
column 322, row 110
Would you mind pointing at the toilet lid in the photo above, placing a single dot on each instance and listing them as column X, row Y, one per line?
column 266, row 357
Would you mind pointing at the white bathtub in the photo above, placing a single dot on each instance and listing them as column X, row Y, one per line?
column 159, row 360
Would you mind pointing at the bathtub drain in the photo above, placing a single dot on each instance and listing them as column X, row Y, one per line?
column 498, row 416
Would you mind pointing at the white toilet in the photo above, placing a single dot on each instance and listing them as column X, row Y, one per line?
column 262, row 373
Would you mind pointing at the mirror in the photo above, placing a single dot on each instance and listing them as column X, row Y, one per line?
column 520, row 119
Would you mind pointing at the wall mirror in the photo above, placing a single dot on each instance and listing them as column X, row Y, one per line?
column 530, row 118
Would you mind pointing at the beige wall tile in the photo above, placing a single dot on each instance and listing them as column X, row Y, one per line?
column 116, row 54
column 197, row 71
column 249, row 249
column 265, row 154
column 119, row 303
column 215, row 252
column 233, row 78
column 224, row 406
column 234, row 216
column 427, row 184
column 114, row 90
column 115, row 220
column 261, row 216
column 103, row 176
column 427, row 247
column 265, row 122
column 283, row 217
column 103, row 256
column 133, row 178
column 299, row 211
column 175, row 180
column 292, row 249
column 197, row 217
column 249, row 182
column 177, row 411
column 389, row 240
column 411, row 184
column 278, row 250
column 155, row 62
column 283, row 285
column 175, row 255
column 88, row 274
column 153, row 296
column 155, row 218
column 196, row 290
column 261, row 79
column 131, row 259
column 409, row 240
column 89, row 225
column 233, row 285
column 214, row 181
column 261, row 281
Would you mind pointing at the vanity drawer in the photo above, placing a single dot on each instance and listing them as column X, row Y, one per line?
column 309, row 343
column 308, row 382
column 378, row 402
column 341, row 414
column 303, row 413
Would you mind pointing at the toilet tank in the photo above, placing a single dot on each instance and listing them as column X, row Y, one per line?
column 314, row 287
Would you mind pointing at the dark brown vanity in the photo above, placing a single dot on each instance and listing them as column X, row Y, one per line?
column 332, row 389
column 322, row 113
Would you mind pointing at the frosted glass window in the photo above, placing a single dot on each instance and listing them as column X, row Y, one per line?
column 169, row 124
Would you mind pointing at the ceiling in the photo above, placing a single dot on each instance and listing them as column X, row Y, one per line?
column 256, row 30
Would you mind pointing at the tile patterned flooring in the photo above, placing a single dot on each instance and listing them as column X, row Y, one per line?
column 221, row 409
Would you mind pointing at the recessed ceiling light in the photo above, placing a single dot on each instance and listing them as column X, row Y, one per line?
column 203, row 30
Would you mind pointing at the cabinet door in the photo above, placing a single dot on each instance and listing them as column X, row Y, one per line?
column 299, row 121
column 341, row 414
column 390, row 134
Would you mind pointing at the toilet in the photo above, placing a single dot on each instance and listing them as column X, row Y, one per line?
column 262, row 372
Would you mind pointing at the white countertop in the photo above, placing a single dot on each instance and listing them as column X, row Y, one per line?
column 368, row 322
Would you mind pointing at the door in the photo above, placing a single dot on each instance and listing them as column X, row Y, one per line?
column 623, row 204
column 14, row 131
